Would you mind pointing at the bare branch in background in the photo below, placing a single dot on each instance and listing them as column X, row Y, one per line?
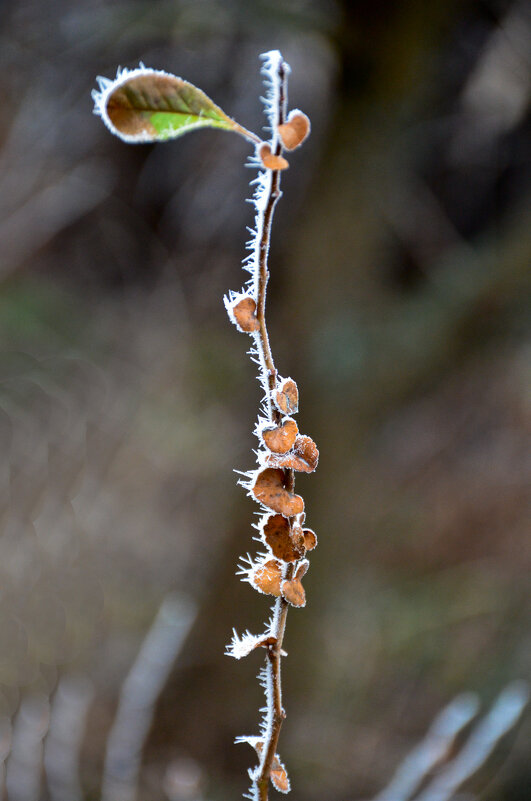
column 432, row 750
column 138, row 696
column 496, row 96
column 501, row 718
column 24, row 764
column 63, row 744
column 440, row 739
column 5, row 747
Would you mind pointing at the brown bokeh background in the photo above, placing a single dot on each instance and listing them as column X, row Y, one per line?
column 399, row 301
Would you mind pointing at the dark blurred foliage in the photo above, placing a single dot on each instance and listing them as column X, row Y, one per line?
column 399, row 300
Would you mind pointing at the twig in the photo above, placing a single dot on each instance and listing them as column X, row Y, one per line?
column 138, row 696
column 141, row 93
column 278, row 571
column 270, row 198
column 24, row 764
column 62, row 746
column 432, row 750
column 502, row 717
column 5, row 748
column 273, row 665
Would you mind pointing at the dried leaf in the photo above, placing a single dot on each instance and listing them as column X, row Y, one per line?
column 244, row 315
column 280, row 439
column 269, row 489
column 295, row 130
column 302, row 569
column 292, row 589
column 146, row 105
column 279, row 776
column 269, row 160
column 286, row 396
column 266, row 577
column 304, row 456
column 293, row 592
column 306, row 449
column 298, row 538
column 277, row 534
column 310, row 539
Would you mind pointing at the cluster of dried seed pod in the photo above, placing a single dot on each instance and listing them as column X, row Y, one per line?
column 279, row 570
column 292, row 134
column 283, row 450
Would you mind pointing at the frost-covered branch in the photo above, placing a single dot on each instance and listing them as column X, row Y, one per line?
column 147, row 105
column 277, row 571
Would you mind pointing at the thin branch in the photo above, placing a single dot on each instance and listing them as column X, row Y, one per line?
column 278, row 571
column 277, row 714
column 271, row 197
column 501, row 718
column 433, row 749
column 138, row 696
column 273, row 666
column 62, row 747
column 269, row 200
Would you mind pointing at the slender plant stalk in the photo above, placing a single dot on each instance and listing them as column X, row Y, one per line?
column 264, row 227
column 147, row 105
column 284, row 568
column 280, row 613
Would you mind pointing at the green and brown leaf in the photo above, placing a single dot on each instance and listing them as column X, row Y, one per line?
column 146, row 105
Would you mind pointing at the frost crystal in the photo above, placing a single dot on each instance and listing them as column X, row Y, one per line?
column 242, row 646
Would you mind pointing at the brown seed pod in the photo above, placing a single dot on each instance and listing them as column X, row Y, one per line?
column 269, row 160
column 286, row 396
column 244, row 314
column 266, row 577
column 304, row 456
column 269, row 489
column 280, row 439
column 292, row 589
column 279, row 774
column 293, row 592
column 297, row 536
column 295, row 130
column 310, row 539
column 277, row 534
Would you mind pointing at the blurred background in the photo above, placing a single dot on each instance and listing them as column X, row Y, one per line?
column 399, row 301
